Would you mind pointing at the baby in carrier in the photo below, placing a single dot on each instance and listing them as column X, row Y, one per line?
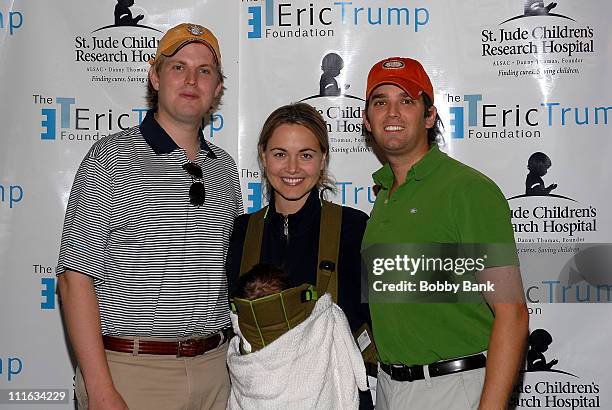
column 265, row 306
column 293, row 349
column 262, row 280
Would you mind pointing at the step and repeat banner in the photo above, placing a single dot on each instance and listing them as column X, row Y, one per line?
column 521, row 86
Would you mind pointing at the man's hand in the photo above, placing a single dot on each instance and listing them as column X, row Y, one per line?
column 108, row 400
column 82, row 319
column 508, row 336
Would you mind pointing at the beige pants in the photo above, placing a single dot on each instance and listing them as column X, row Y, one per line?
column 151, row 382
column 459, row 391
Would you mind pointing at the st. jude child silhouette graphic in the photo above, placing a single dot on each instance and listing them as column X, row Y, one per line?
column 123, row 15
column 331, row 65
column 539, row 340
column 537, row 8
column 538, row 165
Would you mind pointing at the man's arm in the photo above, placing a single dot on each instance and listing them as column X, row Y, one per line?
column 508, row 335
column 82, row 318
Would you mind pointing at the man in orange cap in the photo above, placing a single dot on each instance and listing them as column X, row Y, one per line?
column 438, row 355
column 141, row 267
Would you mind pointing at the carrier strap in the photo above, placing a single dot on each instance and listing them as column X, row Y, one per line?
column 251, row 250
column 329, row 246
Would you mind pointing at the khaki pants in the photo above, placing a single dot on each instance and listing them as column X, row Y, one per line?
column 151, row 382
column 459, row 391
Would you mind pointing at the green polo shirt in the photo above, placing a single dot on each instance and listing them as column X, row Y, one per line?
column 441, row 201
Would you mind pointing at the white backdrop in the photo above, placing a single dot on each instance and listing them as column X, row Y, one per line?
column 505, row 89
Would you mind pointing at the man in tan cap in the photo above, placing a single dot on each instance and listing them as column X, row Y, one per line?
column 443, row 354
column 141, row 266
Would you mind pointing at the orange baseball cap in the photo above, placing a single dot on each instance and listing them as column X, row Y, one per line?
column 406, row 73
column 185, row 33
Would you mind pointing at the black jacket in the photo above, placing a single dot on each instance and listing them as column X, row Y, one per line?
column 297, row 253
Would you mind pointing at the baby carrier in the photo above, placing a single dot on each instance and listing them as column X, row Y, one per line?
column 263, row 320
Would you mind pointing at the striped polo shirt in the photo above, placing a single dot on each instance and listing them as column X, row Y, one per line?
column 157, row 261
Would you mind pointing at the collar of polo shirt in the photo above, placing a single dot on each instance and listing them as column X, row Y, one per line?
column 159, row 140
column 384, row 176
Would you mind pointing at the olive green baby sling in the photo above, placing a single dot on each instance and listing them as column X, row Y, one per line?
column 263, row 320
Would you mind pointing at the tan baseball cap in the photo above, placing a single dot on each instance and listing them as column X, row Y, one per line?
column 186, row 33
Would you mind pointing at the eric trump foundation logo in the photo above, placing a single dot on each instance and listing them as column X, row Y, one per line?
column 285, row 20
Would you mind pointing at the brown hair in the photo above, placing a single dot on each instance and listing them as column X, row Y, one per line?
column 152, row 97
column 262, row 280
column 306, row 116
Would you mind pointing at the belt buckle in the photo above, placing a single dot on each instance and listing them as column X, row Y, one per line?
column 181, row 344
column 410, row 375
column 405, row 370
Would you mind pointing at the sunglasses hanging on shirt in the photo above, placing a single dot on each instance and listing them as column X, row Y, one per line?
column 196, row 191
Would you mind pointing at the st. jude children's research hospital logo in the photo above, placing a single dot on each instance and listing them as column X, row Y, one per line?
column 118, row 53
column 545, row 383
column 538, row 42
column 543, row 214
column 274, row 19
column 555, row 232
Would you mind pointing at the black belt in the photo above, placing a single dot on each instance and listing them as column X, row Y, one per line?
column 403, row 373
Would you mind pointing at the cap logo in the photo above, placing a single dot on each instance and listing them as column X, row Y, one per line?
column 393, row 64
column 195, row 30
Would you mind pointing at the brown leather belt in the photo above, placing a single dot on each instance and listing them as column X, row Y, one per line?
column 183, row 348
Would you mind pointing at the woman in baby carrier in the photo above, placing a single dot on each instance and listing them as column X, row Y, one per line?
column 315, row 242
